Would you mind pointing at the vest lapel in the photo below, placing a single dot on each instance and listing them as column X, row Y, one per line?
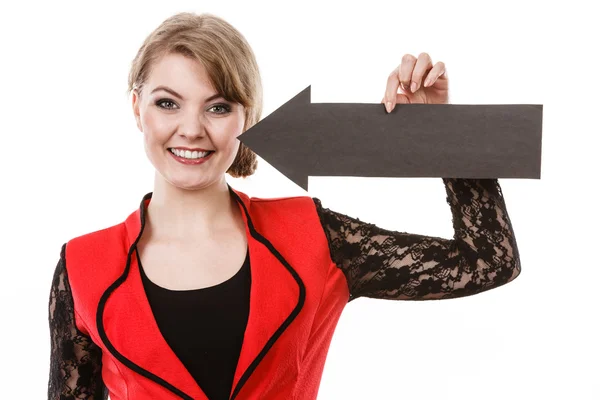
column 277, row 295
column 129, row 331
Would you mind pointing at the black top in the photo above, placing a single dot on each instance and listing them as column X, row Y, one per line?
column 204, row 327
column 377, row 263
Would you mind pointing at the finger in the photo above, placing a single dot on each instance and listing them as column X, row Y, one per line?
column 422, row 66
column 401, row 98
column 437, row 72
column 393, row 82
column 406, row 71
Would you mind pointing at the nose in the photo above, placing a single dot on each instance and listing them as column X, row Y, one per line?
column 193, row 126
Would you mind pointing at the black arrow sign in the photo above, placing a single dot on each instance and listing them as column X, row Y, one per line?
column 302, row 139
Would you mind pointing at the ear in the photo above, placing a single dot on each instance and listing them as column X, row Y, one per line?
column 135, row 103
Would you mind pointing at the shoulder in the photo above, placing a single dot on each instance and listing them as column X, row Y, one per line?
column 100, row 235
column 288, row 204
column 284, row 201
column 308, row 204
column 84, row 253
column 290, row 212
column 94, row 260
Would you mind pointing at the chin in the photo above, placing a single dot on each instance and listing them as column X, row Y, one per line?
column 192, row 184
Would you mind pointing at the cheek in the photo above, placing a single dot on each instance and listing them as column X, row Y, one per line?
column 237, row 124
column 155, row 126
column 229, row 129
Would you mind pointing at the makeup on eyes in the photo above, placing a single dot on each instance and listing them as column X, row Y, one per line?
column 227, row 108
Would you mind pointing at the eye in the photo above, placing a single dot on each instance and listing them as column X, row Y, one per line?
column 160, row 103
column 221, row 108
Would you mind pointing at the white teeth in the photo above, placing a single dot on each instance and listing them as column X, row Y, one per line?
column 189, row 154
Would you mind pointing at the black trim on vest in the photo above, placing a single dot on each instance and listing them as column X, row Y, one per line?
column 288, row 320
column 130, row 364
column 100, row 324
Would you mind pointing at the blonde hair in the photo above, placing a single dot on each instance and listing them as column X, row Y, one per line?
column 227, row 57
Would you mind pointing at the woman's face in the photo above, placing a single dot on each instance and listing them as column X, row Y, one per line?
column 179, row 109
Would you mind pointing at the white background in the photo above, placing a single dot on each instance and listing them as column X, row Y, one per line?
column 73, row 162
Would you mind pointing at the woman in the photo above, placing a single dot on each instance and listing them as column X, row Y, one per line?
column 158, row 307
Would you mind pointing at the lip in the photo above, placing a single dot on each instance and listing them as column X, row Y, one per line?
column 190, row 149
column 191, row 162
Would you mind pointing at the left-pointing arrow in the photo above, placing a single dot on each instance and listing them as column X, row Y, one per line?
column 303, row 139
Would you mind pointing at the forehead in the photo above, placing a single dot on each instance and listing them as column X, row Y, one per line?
column 182, row 74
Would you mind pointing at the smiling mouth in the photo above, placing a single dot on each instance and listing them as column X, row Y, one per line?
column 190, row 155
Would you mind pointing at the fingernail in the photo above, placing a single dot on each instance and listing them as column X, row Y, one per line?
column 388, row 106
column 427, row 82
column 413, row 87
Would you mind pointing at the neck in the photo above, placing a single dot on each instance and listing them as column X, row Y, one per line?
column 180, row 214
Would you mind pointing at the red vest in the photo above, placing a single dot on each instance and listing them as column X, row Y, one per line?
column 297, row 296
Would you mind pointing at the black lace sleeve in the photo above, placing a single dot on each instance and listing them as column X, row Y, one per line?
column 75, row 360
column 385, row 264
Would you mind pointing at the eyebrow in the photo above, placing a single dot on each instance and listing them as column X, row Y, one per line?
column 174, row 93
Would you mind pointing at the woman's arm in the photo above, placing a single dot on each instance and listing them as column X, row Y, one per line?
column 394, row 265
column 75, row 360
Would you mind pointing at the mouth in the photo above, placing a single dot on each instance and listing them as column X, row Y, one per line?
column 190, row 154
